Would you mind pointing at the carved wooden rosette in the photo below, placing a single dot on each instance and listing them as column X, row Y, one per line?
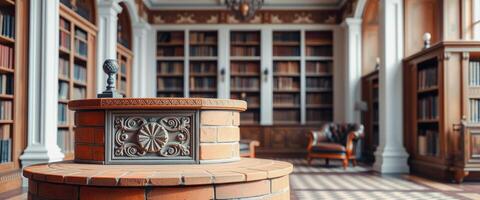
column 152, row 136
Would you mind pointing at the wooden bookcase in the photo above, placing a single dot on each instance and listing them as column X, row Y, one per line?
column 124, row 52
column 170, row 63
column 370, row 116
column 76, row 66
column 203, row 53
column 319, row 76
column 286, row 77
column 440, row 91
column 245, row 75
column 13, row 104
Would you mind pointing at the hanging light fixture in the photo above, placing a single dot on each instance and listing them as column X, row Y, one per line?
column 245, row 9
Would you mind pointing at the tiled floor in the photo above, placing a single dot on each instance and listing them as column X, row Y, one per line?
column 357, row 183
column 321, row 182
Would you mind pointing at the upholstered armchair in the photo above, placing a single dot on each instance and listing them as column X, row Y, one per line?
column 334, row 141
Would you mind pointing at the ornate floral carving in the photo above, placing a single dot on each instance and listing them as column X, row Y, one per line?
column 153, row 136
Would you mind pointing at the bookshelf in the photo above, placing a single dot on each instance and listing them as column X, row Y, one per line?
column 124, row 52
column 76, row 66
column 203, row 63
column 319, row 76
column 170, row 63
column 13, row 91
column 440, row 91
column 245, row 77
column 370, row 83
column 286, row 77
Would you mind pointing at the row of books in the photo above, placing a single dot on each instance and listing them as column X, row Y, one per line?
column 65, row 40
column 65, row 140
column 286, row 51
column 203, row 83
column 475, row 110
column 318, row 67
column 170, row 37
column 6, row 150
column 123, row 85
column 286, row 116
column 253, row 100
column 208, row 51
column 123, row 67
column 63, row 90
column 244, row 37
column 427, row 78
column 169, row 94
column 319, row 115
column 62, row 114
column 241, row 83
column 286, row 67
column 6, row 108
column 319, row 99
column 176, row 51
column 428, row 107
column 474, row 73
column 203, row 95
column 286, row 99
column 428, row 142
column 170, row 67
column 319, row 51
column 249, row 117
column 170, row 84
column 203, row 37
column 79, row 93
column 244, row 51
column 286, row 83
column 5, row 143
column 245, row 67
column 64, row 24
column 286, row 36
column 80, row 73
column 475, row 144
column 318, row 36
column 81, row 48
column 203, row 67
column 7, row 24
column 6, row 84
column 63, row 67
column 6, row 56
column 319, row 83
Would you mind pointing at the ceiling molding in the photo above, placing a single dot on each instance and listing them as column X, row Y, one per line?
column 220, row 4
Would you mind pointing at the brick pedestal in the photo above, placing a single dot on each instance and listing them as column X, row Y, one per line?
column 247, row 178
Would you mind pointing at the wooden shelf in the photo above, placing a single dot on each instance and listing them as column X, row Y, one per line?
column 246, row 75
column 6, row 96
column 203, row 74
column 286, row 90
column 427, row 90
column 245, row 58
column 427, row 121
column 286, row 74
column 171, row 58
column 6, row 121
column 319, row 106
column 170, row 44
column 319, row 75
column 318, row 90
column 203, row 58
column 319, row 58
column 6, row 40
column 6, row 70
column 276, row 43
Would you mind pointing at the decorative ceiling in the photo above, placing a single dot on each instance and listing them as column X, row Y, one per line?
column 220, row 4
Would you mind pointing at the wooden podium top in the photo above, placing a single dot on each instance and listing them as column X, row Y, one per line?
column 158, row 103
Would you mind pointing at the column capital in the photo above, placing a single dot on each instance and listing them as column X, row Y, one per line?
column 141, row 26
column 108, row 7
column 351, row 21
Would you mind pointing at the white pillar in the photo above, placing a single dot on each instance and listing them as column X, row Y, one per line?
column 391, row 156
column 476, row 18
column 107, row 11
column 139, row 68
column 42, row 84
column 353, row 70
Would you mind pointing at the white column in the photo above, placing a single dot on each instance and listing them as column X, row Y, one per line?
column 353, row 70
column 107, row 11
column 476, row 18
column 391, row 156
column 42, row 84
column 139, row 68
column 151, row 64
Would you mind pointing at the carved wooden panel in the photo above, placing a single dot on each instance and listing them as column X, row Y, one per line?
column 152, row 137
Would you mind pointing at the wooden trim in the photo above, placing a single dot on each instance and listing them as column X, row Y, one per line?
column 70, row 15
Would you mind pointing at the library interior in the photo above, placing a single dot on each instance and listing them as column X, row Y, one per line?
column 240, row 99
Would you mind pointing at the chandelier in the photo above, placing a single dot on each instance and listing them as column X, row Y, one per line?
column 245, row 9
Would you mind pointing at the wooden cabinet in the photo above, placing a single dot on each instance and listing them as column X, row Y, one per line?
column 370, row 116
column 440, row 89
column 76, row 69
column 124, row 52
column 13, row 90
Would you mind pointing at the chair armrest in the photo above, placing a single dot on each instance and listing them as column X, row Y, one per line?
column 352, row 137
column 252, row 145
